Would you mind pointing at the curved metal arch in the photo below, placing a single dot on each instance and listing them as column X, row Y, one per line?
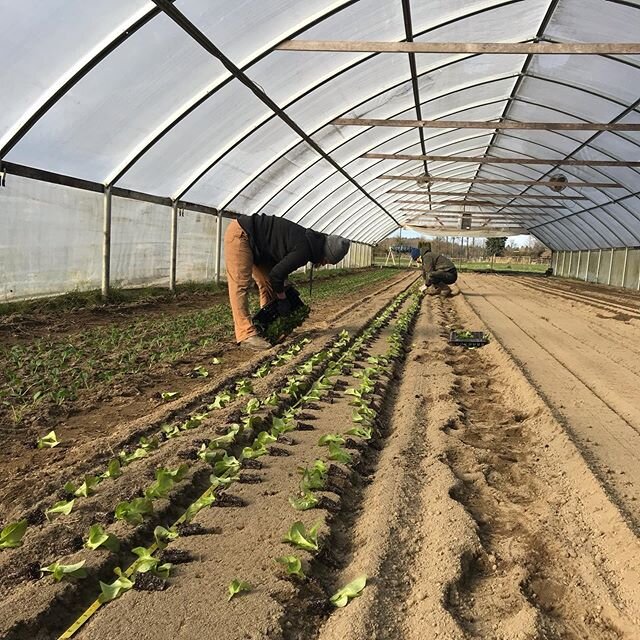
column 70, row 79
column 191, row 105
column 365, row 129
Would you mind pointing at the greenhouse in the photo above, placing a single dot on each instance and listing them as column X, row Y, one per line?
column 320, row 319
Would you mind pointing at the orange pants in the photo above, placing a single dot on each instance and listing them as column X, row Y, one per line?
column 238, row 259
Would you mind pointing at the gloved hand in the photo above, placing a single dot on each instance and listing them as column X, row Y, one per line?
column 284, row 307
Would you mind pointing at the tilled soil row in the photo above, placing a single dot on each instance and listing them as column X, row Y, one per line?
column 494, row 525
column 243, row 539
column 63, row 536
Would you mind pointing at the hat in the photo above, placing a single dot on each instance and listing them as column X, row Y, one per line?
column 335, row 248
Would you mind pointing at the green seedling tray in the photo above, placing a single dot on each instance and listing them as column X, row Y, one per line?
column 476, row 339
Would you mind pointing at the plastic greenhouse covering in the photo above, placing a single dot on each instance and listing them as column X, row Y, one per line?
column 194, row 105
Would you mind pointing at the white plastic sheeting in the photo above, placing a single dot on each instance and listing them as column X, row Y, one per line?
column 116, row 92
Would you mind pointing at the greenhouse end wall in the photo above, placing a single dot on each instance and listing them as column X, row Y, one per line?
column 51, row 242
column 616, row 267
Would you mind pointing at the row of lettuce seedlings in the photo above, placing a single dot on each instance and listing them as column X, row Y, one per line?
column 13, row 534
column 313, row 379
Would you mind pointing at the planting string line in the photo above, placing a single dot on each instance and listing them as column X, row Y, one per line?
column 96, row 604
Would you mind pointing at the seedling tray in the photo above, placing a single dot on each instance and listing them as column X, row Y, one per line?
column 470, row 339
column 269, row 323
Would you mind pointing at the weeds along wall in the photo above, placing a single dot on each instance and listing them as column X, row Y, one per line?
column 51, row 242
column 617, row 267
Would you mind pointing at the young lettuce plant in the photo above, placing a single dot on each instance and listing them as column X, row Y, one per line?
column 229, row 465
column 135, row 511
column 236, row 587
column 221, row 400
column 365, row 433
column 86, row 489
column 308, row 500
column 98, row 537
column 163, row 536
column 337, row 453
column 292, row 566
column 243, row 387
column 169, row 395
column 263, row 371
column 226, row 440
column 114, row 590
column 113, row 470
column 61, row 508
column 252, row 406
column 194, row 508
column 60, row 571
column 146, row 562
column 199, row 372
column 301, row 538
column 128, row 458
column 280, row 426
column 331, row 438
column 171, row 430
column 272, row 400
column 11, row 536
column 165, row 481
column 314, row 478
column 49, row 441
column 352, row 590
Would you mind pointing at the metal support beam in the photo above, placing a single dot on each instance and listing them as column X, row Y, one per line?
column 624, row 266
column 499, row 196
column 535, row 48
column 174, row 246
column 503, row 124
column 483, row 203
column 598, row 266
column 218, row 247
column 570, row 261
column 497, row 160
column 549, row 183
column 564, row 253
column 610, row 267
column 106, row 243
column 586, row 273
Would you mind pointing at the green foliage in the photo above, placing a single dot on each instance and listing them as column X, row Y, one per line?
column 307, row 501
column 148, row 444
column 229, row 465
column 49, row 441
column 284, row 325
column 200, row 372
column 61, row 508
column 337, row 453
column 313, row 478
column 216, row 361
column 495, row 246
column 146, row 562
column 163, row 536
column 169, row 395
column 263, row 371
column 11, row 536
column 165, row 481
column 203, row 501
column 60, row 571
column 226, row 440
column 272, row 400
column 243, row 387
column 85, row 489
column 330, row 438
column 135, row 511
column 113, row 470
column 281, row 425
column 171, row 430
column 352, row 590
column 128, row 458
column 221, row 400
column 98, row 537
column 365, row 433
column 236, row 587
column 292, row 566
column 252, row 406
column 301, row 538
column 114, row 590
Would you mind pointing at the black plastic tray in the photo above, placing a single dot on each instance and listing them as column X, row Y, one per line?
column 477, row 339
column 263, row 318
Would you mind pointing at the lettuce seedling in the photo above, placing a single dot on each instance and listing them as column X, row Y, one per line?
column 197, row 506
column 313, row 478
column 330, row 438
column 249, row 422
column 272, row 400
column 113, row 470
column 312, row 395
column 49, row 441
column 62, row 508
column 305, row 369
column 171, row 430
column 200, row 372
column 228, row 465
column 221, row 400
column 243, row 387
column 352, row 590
column 363, row 414
column 222, row 481
column 209, row 456
column 193, row 422
column 114, row 590
column 135, row 511
column 252, row 406
column 60, row 571
column 98, row 537
column 337, row 453
column 11, row 536
column 163, row 536
column 292, row 565
column 361, row 432
column 146, row 562
column 307, row 501
column 128, row 458
column 300, row 537
column 236, row 587
column 169, row 395
column 263, row 371
column 281, row 425
column 227, row 439
column 216, row 361
column 148, row 444
column 85, row 489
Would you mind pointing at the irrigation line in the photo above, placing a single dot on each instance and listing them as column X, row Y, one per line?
column 131, row 569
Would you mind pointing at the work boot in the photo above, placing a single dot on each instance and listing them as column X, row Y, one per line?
column 256, row 343
column 444, row 290
column 432, row 290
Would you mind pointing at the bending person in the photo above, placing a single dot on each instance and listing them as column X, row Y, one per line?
column 438, row 272
column 267, row 249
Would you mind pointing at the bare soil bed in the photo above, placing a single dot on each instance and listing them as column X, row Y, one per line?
column 450, row 482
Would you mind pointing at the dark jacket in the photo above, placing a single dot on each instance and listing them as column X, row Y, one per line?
column 281, row 245
column 433, row 262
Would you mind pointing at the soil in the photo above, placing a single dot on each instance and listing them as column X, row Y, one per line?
column 477, row 511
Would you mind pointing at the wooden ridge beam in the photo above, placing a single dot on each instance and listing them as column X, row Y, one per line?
column 507, row 196
column 549, row 183
column 527, row 48
column 484, row 203
column 504, row 124
column 496, row 160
